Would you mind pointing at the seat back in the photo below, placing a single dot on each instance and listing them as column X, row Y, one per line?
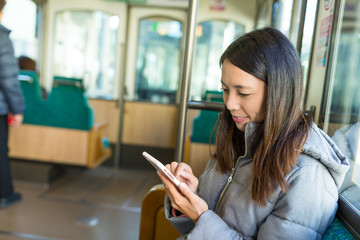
column 65, row 107
column 153, row 223
column 68, row 107
column 204, row 123
column 29, row 83
column 31, row 90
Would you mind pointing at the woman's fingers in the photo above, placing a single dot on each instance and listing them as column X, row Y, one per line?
column 167, row 183
column 183, row 173
column 189, row 203
column 185, row 190
column 171, row 191
column 173, row 167
column 183, row 198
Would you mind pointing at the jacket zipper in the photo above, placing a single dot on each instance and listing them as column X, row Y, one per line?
column 230, row 178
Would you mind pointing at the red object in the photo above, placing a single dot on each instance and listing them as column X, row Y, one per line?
column 10, row 119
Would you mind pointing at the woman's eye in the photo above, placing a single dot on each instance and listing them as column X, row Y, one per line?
column 244, row 94
column 224, row 90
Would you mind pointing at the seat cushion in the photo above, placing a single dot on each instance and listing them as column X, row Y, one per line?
column 337, row 231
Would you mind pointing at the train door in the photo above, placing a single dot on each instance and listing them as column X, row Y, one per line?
column 152, row 78
column 85, row 40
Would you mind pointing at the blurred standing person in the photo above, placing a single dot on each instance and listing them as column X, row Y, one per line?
column 12, row 107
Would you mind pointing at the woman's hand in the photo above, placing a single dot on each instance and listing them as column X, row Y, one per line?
column 183, row 198
column 183, row 172
column 15, row 120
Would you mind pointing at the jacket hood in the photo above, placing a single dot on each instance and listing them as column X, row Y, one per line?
column 346, row 139
column 321, row 147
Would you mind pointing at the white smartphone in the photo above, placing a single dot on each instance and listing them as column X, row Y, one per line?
column 159, row 166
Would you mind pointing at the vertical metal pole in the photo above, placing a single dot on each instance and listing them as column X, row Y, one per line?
column 120, row 104
column 301, row 26
column 185, row 81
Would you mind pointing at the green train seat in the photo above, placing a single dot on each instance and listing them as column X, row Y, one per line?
column 60, row 129
column 204, row 123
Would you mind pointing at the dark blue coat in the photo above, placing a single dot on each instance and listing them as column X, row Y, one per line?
column 11, row 97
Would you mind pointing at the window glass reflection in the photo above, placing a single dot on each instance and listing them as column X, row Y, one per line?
column 345, row 104
column 213, row 37
column 158, row 60
column 85, row 48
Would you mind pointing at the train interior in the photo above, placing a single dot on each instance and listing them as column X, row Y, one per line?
column 105, row 80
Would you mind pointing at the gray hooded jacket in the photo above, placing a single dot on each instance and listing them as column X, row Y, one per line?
column 303, row 212
column 11, row 97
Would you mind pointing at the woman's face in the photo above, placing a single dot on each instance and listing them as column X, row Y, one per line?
column 244, row 95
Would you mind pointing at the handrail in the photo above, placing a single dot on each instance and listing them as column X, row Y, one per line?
column 203, row 105
column 26, row 78
column 69, row 83
column 185, row 81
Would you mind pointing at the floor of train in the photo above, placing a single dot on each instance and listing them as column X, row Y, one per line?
column 101, row 204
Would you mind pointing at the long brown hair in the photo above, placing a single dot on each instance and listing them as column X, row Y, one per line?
column 2, row 4
column 276, row 143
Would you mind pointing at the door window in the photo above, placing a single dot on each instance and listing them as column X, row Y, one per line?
column 23, row 33
column 84, row 48
column 213, row 37
column 158, row 60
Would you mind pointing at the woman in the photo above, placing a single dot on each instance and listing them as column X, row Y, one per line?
column 274, row 174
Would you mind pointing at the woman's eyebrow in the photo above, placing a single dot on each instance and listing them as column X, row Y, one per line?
column 236, row 86
column 240, row 86
column 222, row 83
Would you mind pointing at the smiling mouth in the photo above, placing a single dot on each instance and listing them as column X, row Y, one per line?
column 239, row 119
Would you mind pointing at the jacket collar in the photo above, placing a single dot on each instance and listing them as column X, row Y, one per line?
column 4, row 29
column 249, row 130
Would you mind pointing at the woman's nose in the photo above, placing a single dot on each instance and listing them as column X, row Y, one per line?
column 232, row 102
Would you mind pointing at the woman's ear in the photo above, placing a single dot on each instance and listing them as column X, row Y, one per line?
column 1, row 14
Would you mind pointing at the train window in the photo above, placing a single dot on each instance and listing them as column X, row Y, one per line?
column 23, row 35
column 344, row 110
column 158, row 60
column 213, row 37
column 84, row 49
